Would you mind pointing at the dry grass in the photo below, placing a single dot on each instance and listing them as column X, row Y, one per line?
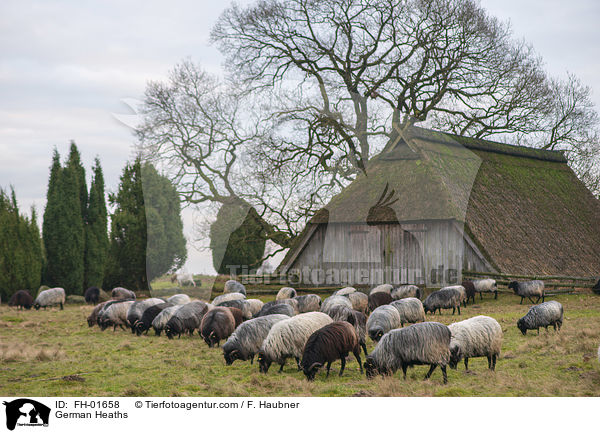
column 48, row 352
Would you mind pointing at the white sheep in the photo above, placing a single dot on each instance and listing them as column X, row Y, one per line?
column 474, row 337
column 410, row 310
column 50, row 297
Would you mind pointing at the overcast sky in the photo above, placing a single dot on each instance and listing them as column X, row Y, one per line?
column 66, row 66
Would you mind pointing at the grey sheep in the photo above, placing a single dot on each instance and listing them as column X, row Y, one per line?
column 121, row 293
column 422, row 343
column 115, row 315
column 93, row 317
column 382, row 288
column 359, row 300
column 227, row 297
column 407, row 291
column 410, row 310
column 218, row 324
column 179, row 299
column 334, row 300
column 286, row 293
column 246, row 340
column 546, row 314
column 446, row 299
column 461, row 290
column 233, row 286
column 287, row 338
column 486, row 285
column 240, row 304
column 160, row 322
column 357, row 319
column 383, row 319
column 474, row 337
column 186, row 319
column 255, row 306
column 271, row 308
column 50, row 297
column 137, row 310
column 344, row 291
column 528, row 289
column 308, row 303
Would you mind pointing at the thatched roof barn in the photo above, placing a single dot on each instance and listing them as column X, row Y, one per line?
column 434, row 204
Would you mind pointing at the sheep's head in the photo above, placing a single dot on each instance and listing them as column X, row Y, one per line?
column 139, row 328
column 169, row 332
column 376, row 334
column 370, row 368
column 312, row 370
column 36, row 306
column 231, row 355
column 263, row 362
column 514, row 286
column 455, row 356
column 211, row 339
column 522, row 327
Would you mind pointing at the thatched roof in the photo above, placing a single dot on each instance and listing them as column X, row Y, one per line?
column 524, row 208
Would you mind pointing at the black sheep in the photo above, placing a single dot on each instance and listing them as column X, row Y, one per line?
column 143, row 324
column 22, row 299
column 186, row 319
column 92, row 295
column 378, row 299
column 470, row 289
column 328, row 344
column 218, row 324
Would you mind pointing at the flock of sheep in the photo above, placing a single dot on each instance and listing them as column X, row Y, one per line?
column 315, row 332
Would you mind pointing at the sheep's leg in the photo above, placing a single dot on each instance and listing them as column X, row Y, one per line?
column 328, row 368
column 61, row 306
column 538, row 330
column 480, row 296
column 494, row 357
column 489, row 358
column 466, row 364
column 404, row 367
column 496, row 294
column 443, row 367
column 364, row 347
column 356, row 352
column 252, row 360
column 298, row 363
column 281, row 367
column 459, row 309
column 428, row 375
column 522, row 297
column 344, row 365
column 453, row 310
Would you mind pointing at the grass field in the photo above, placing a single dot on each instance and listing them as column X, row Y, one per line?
column 54, row 353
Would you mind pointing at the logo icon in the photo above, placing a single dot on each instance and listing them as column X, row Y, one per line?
column 26, row 412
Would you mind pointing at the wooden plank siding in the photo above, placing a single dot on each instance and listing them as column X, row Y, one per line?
column 431, row 253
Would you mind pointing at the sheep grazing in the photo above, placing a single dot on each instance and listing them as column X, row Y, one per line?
column 186, row 319
column 334, row 300
column 328, row 344
column 356, row 319
column 287, row 339
column 383, row 319
column 474, row 337
column 419, row 344
column 50, row 297
column 246, row 340
column 486, row 285
column 92, row 295
column 137, row 309
column 238, row 316
column 218, row 324
column 461, row 290
column 378, row 299
column 308, row 303
column 241, row 305
column 470, row 290
column 410, row 310
column 449, row 298
column 233, row 286
column 255, row 306
column 546, row 314
column 407, row 291
column 360, row 301
column 114, row 315
column 179, row 299
column 270, row 308
column 93, row 317
column 528, row 289
column 22, row 299
column 150, row 313
column 286, row 293
column 121, row 293
column 291, row 302
column 184, row 279
column 227, row 297
column 382, row 288
column 160, row 321
column 345, row 291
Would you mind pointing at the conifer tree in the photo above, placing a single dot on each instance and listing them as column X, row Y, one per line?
column 96, row 237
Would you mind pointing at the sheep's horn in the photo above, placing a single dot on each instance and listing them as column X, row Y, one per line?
column 211, row 333
column 315, row 364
